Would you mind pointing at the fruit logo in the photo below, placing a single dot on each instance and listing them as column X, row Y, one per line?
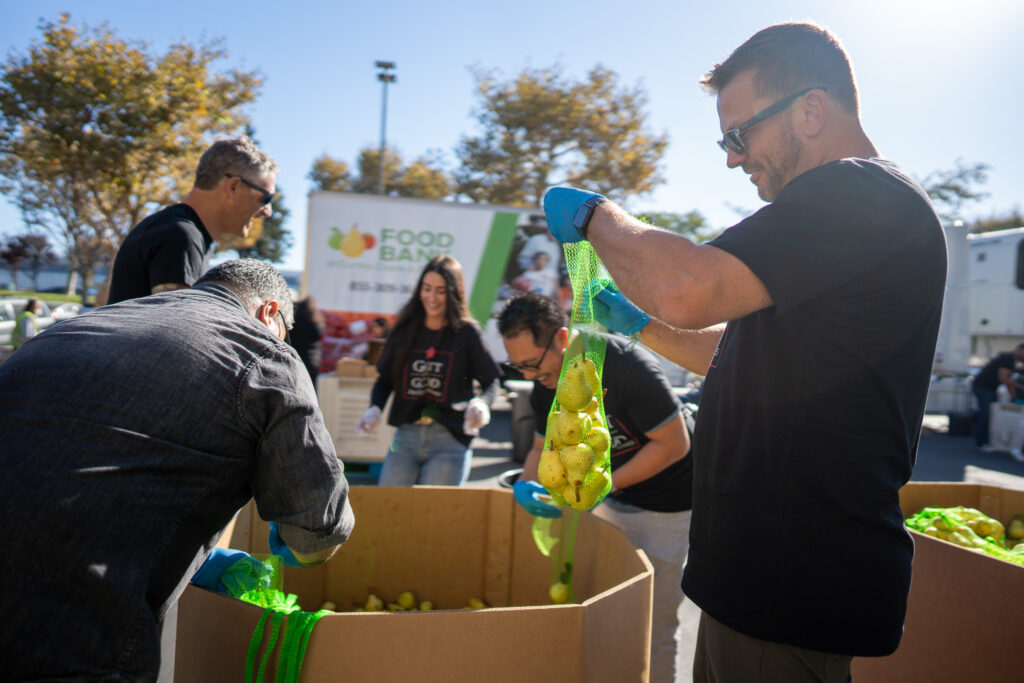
column 352, row 243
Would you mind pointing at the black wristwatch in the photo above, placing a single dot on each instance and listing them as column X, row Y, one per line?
column 583, row 214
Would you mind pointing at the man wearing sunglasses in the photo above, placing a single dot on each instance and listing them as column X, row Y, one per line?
column 814, row 321
column 168, row 250
column 651, row 473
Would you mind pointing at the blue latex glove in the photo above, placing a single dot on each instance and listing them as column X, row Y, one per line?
column 560, row 207
column 232, row 572
column 613, row 310
column 527, row 494
column 278, row 547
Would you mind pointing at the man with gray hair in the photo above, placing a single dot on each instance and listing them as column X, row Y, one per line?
column 132, row 435
column 168, row 250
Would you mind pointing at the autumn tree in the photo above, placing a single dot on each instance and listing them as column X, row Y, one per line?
column 97, row 131
column 1008, row 221
column 542, row 128
column 424, row 178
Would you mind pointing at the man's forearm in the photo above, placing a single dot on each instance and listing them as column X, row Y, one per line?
column 691, row 349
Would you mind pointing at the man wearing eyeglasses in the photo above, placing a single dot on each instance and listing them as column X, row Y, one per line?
column 815, row 384
column 168, row 250
column 651, row 473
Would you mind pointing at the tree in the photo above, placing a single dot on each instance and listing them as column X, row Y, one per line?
column 423, row 178
column 950, row 190
column 13, row 253
column 542, row 129
column 96, row 131
column 39, row 255
column 1014, row 219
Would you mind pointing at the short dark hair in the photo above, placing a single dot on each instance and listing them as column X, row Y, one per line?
column 787, row 58
column 534, row 313
column 235, row 156
column 255, row 282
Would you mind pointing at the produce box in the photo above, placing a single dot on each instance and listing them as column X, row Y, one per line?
column 447, row 545
column 343, row 400
column 965, row 614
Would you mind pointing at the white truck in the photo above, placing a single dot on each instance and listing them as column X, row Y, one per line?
column 983, row 314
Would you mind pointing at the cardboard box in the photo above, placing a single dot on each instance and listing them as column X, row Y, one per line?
column 355, row 367
column 965, row 614
column 343, row 400
column 447, row 545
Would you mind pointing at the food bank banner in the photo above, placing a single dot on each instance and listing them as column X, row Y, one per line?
column 365, row 254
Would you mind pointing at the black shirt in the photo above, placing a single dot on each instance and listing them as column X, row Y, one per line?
column 172, row 245
column 639, row 400
column 811, row 411
column 438, row 372
column 988, row 376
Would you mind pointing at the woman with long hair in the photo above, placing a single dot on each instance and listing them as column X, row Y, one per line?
column 433, row 354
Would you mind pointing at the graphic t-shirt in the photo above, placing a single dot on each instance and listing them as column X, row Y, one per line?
column 437, row 372
column 639, row 400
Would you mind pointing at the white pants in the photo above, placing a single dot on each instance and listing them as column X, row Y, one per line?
column 664, row 537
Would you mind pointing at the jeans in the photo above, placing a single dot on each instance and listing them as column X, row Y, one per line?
column 664, row 538
column 986, row 397
column 425, row 454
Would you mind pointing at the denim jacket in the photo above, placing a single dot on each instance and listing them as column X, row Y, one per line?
column 129, row 437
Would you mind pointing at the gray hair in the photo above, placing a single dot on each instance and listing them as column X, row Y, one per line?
column 255, row 282
column 236, row 156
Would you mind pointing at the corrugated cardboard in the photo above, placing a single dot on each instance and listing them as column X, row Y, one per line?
column 965, row 614
column 447, row 545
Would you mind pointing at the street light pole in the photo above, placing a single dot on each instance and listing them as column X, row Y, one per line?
column 384, row 76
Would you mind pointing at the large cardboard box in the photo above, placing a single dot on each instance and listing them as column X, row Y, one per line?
column 446, row 544
column 965, row 614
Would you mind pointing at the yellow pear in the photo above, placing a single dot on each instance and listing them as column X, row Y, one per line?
column 551, row 433
column 590, row 375
column 572, row 391
column 577, row 460
column 590, row 492
column 573, row 426
column 550, row 470
column 353, row 245
column 559, row 593
column 598, row 439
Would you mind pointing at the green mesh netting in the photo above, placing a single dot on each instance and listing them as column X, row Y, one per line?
column 290, row 627
column 966, row 527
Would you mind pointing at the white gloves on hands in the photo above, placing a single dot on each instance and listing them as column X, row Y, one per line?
column 476, row 417
column 368, row 422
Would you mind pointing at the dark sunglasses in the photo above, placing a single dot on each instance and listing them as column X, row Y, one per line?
column 267, row 196
column 533, row 367
column 733, row 139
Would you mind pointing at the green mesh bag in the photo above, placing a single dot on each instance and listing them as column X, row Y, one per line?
column 965, row 527
column 289, row 627
column 575, row 466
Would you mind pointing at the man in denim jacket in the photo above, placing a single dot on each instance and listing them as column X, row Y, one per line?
column 131, row 436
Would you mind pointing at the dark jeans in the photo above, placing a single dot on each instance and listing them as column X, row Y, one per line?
column 985, row 399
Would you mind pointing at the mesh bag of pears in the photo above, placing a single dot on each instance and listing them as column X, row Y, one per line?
column 575, row 464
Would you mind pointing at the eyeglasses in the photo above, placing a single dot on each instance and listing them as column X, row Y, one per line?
column 284, row 326
column 267, row 196
column 532, row 367
column 733, row 139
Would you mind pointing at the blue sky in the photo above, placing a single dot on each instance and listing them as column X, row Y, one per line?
column 939, row 80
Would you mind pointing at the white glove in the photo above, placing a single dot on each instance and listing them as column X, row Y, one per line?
column 476, row 417
column 368, row 422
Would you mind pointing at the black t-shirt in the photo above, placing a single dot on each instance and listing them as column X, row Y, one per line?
column 172, row 245
column 639, row 400
column 438, row 372
column 988, row 376
column 811, row 411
